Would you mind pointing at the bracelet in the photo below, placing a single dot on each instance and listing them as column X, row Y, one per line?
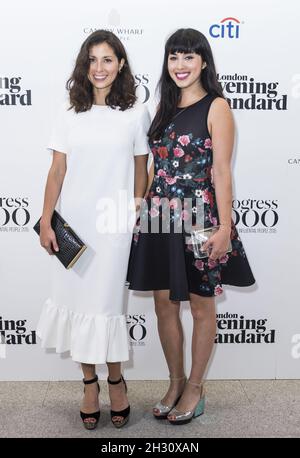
column 225, row 225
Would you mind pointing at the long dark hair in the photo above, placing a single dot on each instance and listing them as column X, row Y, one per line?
column 122, row 93
column 182, row 41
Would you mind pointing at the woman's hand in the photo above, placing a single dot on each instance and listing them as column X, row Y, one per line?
column 48, row 238
column 218, row 243
column 138, row 204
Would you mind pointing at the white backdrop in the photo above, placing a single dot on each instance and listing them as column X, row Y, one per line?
column 256, row 48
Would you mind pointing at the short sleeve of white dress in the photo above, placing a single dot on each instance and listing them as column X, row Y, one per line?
column 141, row 145
column 59, row 134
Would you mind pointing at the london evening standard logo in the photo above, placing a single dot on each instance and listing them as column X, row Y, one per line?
column 243, row 92
column 228, row 27
column 14, row 332
column 12, row 93
column 237, row 329
column 137, row 330
column 256, row 215
column 14, row 214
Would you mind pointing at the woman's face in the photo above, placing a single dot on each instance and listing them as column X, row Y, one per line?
column 185, row 69
column 104, row 66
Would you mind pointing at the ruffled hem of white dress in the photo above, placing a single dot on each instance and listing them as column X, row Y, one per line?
column 91, row 339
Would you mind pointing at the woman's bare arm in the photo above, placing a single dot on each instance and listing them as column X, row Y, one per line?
column 150, row 176
column 220, row 122
column 140, row 178
column 222, row 133
column 54, row 184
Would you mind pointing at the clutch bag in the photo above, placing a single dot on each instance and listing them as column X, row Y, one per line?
column 70, row 245
column 199, row 237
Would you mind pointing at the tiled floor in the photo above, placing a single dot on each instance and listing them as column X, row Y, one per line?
column 239, row 408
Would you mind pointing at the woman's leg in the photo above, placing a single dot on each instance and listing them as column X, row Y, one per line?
column 204, row 333
column 90, row 402
column 117, row 392
column 171, row 338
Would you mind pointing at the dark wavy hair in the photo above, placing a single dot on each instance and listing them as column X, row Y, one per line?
column 182, row 41
column 122, row 93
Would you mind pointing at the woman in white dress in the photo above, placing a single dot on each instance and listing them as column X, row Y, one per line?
column 100, row 151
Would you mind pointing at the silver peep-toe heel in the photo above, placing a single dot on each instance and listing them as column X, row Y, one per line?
column 181, row 418
column 162, row 410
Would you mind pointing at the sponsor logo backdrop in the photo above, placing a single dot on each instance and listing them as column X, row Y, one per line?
column 256, row 53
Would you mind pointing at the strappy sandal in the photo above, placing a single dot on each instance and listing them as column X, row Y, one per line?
column 90, row 416
column 124, row 414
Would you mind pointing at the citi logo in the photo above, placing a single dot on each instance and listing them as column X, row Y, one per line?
column 229, row 27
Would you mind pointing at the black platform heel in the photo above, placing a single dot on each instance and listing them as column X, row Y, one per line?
column 123, row 413
column 96, row 415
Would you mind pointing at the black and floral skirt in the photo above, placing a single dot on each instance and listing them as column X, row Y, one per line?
column 164, row 261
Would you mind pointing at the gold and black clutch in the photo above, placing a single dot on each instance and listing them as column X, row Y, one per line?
column 70, row 245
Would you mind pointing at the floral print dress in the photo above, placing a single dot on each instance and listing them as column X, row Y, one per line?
column 161, row 257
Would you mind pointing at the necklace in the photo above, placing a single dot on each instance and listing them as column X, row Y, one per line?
column 185, row 108
column 177, row 114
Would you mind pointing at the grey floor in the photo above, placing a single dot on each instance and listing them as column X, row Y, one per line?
column 239, row 408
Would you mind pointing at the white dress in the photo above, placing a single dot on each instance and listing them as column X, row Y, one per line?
column 85, row 311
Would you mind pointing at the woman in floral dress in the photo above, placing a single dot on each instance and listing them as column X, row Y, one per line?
column 191, row 139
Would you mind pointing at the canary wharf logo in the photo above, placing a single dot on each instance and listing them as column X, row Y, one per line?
column 113, row 23
column 123, row 33
column 294, row 161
